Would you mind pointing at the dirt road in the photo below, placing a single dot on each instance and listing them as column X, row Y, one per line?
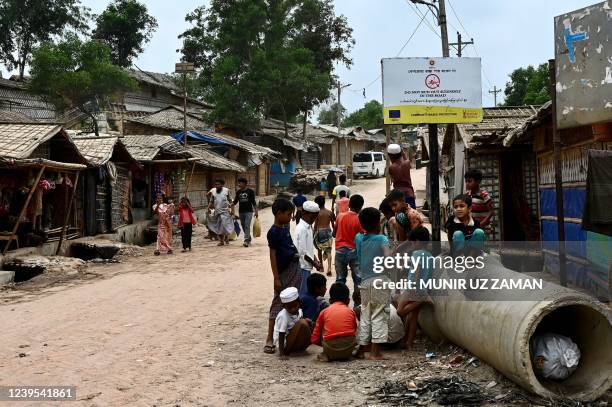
column 185, row 329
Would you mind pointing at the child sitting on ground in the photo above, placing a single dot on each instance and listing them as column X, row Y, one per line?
column 291, row 331
column 464, row 232
column 342, row 204
column 482, row 204
column 313, row 301
column 336, row 326
column 374, row 321
column 284, row 261
column 402, row 212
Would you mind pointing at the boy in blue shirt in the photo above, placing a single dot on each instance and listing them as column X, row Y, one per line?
column 313, row 302
column 375, row 302
column 284, row 261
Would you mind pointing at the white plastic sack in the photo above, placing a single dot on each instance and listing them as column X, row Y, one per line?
column 554, row 356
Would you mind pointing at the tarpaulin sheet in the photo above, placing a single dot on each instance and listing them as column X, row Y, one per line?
column 597, row 213
column 587, row 276
column 573, row 202
column 575, row 238
column 194, row 135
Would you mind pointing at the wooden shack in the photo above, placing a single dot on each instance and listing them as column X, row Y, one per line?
column 39, row 177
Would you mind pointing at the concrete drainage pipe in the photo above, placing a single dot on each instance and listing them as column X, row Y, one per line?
column 498, row 331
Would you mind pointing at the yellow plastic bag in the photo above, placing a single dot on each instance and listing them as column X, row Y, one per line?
column 256, row 228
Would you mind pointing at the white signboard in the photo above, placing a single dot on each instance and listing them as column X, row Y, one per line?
column 431, row 90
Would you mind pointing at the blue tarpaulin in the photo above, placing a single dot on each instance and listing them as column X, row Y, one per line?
column 206, row 138
column 573, row 202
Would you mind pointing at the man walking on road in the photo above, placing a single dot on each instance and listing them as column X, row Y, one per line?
column 245, row 198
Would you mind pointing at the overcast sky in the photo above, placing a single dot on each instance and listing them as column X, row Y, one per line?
column 508, row 35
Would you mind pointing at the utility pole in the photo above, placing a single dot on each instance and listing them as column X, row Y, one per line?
column 461, row 44
column 443, row 29
column 184, row 68
column 558, row 176
column 495, row 91
column 339, row 118
column 434, row 154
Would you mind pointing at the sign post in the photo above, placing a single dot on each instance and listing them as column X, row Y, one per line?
column 432, row 91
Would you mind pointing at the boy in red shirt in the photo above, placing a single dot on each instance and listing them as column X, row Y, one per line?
column 342, row 204
column 347, row 227
column 482, row 204
column 336, row 326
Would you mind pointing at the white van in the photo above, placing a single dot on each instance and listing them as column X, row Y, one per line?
column 369, row 164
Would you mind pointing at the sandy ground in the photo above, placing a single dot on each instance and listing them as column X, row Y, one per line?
column 188, row 329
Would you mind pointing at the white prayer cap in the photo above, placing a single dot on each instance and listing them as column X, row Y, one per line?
column 394, row 149
column 311, row 206
column 289, row 294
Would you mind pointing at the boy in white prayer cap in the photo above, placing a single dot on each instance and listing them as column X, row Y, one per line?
column 291, row 331
column 304, row 242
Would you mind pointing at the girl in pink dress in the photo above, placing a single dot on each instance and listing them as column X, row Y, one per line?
column 164, row 211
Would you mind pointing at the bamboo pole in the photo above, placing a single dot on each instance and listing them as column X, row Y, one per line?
column 70, row 205
column 190, row 178
column 23, row 209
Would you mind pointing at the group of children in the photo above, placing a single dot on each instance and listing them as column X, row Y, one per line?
column 164, row 209
column 220, row 216
column 300, row 316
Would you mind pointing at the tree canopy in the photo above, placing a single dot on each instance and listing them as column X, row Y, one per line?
column 25, row 24
column 369, row 116
column 262, row 58
column 126, row 26
column 77, row 74
column 528, row 86
column 330, row 115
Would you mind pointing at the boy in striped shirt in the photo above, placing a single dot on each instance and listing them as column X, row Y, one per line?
column 482, row 204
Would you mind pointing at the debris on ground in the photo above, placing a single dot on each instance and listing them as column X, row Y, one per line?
column 444, row 391
column 307, row 180
column 31, row 265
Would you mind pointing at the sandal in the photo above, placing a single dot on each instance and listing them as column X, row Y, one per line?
column 221, row 243
column 270, row 349
column 156, row 252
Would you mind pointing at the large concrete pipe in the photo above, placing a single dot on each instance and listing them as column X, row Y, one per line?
column 498, row 331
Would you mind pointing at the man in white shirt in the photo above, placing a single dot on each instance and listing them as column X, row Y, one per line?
column 304, row 242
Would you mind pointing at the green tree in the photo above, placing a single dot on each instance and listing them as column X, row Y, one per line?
column 369, row 116
column 330, row 115
column 126, row 26
column 25, row 24
column 77, row 74
column 528, row 86
column 265, row 57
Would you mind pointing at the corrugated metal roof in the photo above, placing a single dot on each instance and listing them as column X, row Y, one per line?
column 540, row 116
column 171, row 118
column 497, row 122
column 14, row 97
column 154, row 78
column 20, row 140
column 8, row 116
column 148, row 147
column 214, row 160
column 98, row 150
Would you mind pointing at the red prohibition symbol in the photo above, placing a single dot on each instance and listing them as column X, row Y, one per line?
column 432, row 81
